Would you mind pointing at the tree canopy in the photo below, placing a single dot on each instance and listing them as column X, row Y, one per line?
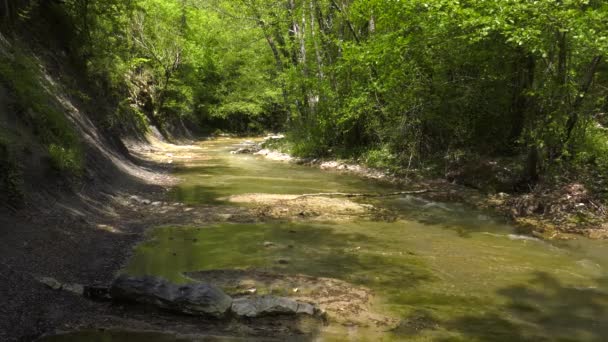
column 406, row 83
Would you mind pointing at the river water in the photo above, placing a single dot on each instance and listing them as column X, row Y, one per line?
column 445, row 272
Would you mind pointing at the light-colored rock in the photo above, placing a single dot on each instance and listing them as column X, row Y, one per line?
column 135, row 199
column 270, row 305
column 329, row 165
column 74, row 288
column 224, row 217
column 274, row 155
column 51, row 282
column 523, row 237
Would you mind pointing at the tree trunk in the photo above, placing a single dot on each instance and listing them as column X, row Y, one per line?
column 293, row 31
column 524, row 81
column 315, row 42
column 7, row 10
column 584, row 88
column 562, row 60
column 349, row 24
column 532, row 166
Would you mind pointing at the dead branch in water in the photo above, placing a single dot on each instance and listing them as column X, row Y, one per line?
column 351, row 194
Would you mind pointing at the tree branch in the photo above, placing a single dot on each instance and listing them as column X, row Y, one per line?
column 351, row 194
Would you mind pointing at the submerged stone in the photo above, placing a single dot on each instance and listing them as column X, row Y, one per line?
column 270, row 305
column 193, row 299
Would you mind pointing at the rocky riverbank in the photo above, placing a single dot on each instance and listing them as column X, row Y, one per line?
column 557, row 211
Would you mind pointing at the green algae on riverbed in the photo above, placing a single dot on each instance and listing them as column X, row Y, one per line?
column 442, row 271
column 411, row 268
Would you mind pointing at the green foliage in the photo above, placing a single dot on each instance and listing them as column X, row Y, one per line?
column 63, row 158
column 380, row 158
column 405, row 82
column 593, row 149
column 399, row 83
column 126, row 115
column 24, row 78
column 178, row 62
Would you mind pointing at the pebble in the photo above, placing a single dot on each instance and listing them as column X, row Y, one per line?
column 136, row 199
column 74, row 288
column 51, row 282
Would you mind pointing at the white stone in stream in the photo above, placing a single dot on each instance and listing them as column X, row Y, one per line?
column 50, row 282
column 270, row 305
column 274, row 155
column 157, row 204
column 522, row 237
column 262, row 152
column 274, row 137
column 329, row 165
column 74, row 288
column 135, row 199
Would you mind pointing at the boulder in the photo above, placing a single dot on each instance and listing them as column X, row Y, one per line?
column 193, row 299
column 270, row 305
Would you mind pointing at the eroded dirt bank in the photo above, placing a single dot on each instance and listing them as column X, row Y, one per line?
column 86, row 238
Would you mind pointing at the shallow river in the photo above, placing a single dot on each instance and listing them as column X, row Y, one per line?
column 444, row 271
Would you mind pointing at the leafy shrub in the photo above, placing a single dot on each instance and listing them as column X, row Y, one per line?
column 594, row 147
column 22, row 74
column 66, row 159
column 380, row 158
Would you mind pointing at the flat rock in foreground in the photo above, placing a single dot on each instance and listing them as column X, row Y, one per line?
column 257, row 306
column 192, row 299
